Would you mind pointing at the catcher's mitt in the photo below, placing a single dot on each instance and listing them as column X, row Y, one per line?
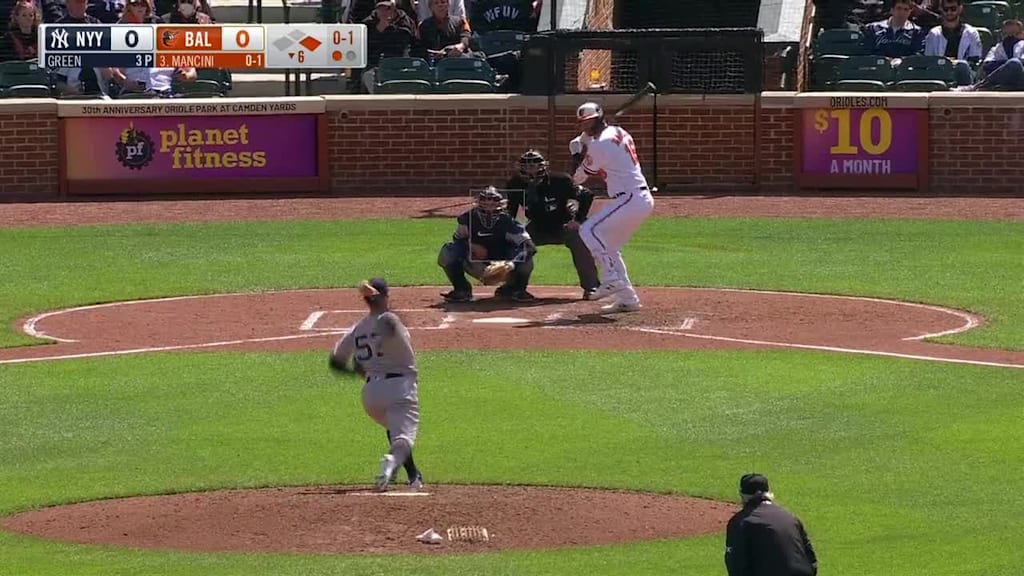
column 497, row 272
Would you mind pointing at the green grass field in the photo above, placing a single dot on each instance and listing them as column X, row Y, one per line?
column 896, row 466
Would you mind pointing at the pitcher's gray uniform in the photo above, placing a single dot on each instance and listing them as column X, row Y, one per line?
column 379, row 348
column 380, row 343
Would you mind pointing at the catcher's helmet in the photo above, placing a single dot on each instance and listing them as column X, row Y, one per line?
column 490, row 204
column 533, row 167
column 589, row 111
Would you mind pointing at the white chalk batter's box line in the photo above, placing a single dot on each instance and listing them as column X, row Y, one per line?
column 310, row 323
column 556, row 320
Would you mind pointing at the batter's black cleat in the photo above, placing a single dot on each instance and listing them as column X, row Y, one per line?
column 588, row 294
column 456, row 296
column 417, row 482
column 524, row 296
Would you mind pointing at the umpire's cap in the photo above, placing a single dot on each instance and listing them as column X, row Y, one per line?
column 751, row 484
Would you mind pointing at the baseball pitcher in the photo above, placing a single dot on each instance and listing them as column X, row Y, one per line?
column 492, row 247
column 555, row 207
column 608, row 152
column 378, row 348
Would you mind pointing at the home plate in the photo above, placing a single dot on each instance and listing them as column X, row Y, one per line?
column 501, row 320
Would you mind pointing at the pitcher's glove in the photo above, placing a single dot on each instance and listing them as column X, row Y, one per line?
column 497, row 272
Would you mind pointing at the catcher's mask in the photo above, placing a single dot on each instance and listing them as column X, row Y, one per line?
column 533, row 167
column 490, row 205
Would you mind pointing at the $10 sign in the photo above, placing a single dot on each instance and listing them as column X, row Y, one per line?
column 873, row 130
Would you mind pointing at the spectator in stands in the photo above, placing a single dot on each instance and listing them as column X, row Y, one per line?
column 360, row 10
column 956, row 40
column 456, row 8
column 443, row 35
column 21, row 41
column 489, row 15
column 106, row 11
column 187, row 12
column 390, row 32
column 81, row 80
column 158, row 82
column 53, row 10
column 140, row 12
column 926, row 13
column 897, row 37
column 1004, row 63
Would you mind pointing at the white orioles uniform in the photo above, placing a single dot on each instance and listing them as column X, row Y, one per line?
column 612, row 157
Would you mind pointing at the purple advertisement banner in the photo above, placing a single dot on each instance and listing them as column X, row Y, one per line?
column 191, row 147
column 860, row 141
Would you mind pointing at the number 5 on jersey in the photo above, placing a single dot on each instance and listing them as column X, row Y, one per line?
column 363, row 349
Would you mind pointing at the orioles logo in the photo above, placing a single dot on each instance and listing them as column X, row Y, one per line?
column 168, row 38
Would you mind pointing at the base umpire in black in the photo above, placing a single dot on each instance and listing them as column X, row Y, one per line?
column 764, row 539
column 552, row 219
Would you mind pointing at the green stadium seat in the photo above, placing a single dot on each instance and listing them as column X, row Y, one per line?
column 864, row 74
column 987, row 40
column 24, row 79
column 465, row 76
column 924, row 74
column 823, row 70
column 986, row 15
column 403, row 75
column 843, row 42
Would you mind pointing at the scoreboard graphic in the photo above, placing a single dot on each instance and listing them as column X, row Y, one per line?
column 241, row 46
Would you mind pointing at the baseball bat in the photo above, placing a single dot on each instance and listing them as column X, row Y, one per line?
column 647, row 90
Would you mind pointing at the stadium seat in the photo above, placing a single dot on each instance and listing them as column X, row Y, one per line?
column 823, row 70
column 404, row 75
column 986, row 15
column 864, row 74
column 24, row 79
column 842, row 42
column 465, row 76
column 920, row 73
column 501, row 42
column 201, row 89
column 987, row 40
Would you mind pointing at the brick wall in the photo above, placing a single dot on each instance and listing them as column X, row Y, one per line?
column 28, row 153
column 447, row 145
column 974, row 149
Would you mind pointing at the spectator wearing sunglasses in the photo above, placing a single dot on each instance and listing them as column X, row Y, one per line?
column 956, row 40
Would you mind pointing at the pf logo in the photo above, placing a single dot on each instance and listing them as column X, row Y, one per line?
column 134, row 148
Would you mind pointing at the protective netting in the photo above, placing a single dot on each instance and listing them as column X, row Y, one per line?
column 615, row 70
column 708, row 72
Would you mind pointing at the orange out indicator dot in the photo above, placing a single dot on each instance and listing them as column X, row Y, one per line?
column 336, row 55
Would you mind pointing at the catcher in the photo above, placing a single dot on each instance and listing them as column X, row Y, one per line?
column 492, row 247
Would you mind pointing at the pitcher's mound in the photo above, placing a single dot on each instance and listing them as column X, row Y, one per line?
column 345, row 520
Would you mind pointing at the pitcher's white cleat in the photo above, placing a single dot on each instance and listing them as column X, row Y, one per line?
column 387, row 468
column 616, row 307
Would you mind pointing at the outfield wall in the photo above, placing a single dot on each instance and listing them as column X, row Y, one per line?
column 436, row 145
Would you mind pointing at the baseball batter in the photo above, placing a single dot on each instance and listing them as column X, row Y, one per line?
column 378, row 348
column 609, row 153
